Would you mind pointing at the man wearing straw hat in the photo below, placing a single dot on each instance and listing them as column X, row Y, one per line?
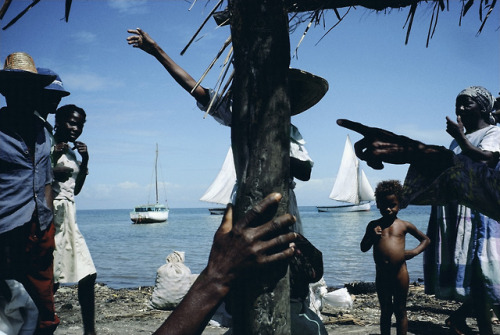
column 26, row 228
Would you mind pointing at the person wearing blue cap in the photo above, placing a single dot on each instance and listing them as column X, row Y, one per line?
column 51, row 96
column 26, row 227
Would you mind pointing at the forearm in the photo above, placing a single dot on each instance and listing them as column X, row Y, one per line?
column 430, row 160
column 82, row 176
column 366, row 244
column 179, row 74
column 418, row 250
column 472, row 184
column 197, row 307
column 476, row 154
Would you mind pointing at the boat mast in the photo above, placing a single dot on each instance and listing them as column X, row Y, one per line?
column 156, row 173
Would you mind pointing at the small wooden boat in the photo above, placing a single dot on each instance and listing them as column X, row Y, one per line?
column 217, row 211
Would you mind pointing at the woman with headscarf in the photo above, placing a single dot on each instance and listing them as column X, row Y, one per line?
column 463, row 261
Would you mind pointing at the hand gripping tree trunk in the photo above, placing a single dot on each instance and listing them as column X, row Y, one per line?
column 260, row 139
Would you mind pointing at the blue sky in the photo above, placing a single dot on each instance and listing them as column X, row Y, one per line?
column 132, row 103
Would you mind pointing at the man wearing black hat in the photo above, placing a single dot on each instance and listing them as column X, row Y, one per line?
column 26, row 228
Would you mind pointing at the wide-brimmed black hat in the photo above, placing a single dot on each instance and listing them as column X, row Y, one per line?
column 19, row 68
column 306, row 90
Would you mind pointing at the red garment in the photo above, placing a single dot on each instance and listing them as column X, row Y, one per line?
column 26, row 255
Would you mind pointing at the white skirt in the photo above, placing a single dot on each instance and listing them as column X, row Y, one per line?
column 72, row 260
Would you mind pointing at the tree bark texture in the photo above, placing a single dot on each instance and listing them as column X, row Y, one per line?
column 260, row 139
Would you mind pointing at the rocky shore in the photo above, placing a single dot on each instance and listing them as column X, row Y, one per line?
column 126, row 311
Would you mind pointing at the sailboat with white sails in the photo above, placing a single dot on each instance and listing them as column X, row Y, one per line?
column 151, row 213
column 351, row 185
column 221, row 189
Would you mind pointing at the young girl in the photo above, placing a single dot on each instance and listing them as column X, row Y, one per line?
column 72, row 260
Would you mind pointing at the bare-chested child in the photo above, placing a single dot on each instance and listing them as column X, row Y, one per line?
column 387, row 236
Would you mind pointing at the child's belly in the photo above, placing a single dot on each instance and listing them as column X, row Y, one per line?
column 389, row 255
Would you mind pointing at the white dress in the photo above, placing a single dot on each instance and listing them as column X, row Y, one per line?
column 72, row 260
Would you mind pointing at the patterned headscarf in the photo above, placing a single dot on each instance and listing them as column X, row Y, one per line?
column 481, row 96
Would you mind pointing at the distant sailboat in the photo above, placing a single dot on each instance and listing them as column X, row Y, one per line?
column 221, row 189
column 351, row 185
column 151, row 213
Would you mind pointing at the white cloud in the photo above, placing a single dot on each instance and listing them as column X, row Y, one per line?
column 129, row 6
column 90, row 82
column 129, row 185
column 84, row 37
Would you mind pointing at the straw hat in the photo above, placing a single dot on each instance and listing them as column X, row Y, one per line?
column 306, row 90
column 19, row 68
column 56, row 86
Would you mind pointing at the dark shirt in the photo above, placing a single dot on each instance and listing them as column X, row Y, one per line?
column 23, row 180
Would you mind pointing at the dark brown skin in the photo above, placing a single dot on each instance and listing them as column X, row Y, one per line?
column 141, row 39
column 469, row 116
column 69, row 131
column 246, row 244
column 387, row 236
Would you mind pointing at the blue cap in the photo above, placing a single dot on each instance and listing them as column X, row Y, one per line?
column 56, row 85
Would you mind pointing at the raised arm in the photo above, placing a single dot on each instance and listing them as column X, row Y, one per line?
column 424, row 241
column 456, row 130
column 236, row 247
column 140, row 39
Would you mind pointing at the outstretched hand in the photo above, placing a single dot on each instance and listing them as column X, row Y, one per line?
column 141, row 39
column 250, row 242
column 379, row 145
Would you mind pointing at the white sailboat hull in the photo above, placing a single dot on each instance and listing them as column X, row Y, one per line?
column 149, row 214
column 345, row 208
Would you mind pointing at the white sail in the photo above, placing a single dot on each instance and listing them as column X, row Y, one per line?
column 351, row 185
column 221, row 189
column 365, row 189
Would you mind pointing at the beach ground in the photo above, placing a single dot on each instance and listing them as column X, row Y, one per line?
column 126, row 311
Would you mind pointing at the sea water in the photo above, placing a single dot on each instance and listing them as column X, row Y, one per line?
column 128, row 255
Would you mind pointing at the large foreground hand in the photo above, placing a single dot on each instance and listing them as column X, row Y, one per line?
column 248, row 243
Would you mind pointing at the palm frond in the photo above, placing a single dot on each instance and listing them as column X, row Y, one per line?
column 67, row 8
column 24, row 11
column 4, row 8
column 409, row 20
column 201, row 27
